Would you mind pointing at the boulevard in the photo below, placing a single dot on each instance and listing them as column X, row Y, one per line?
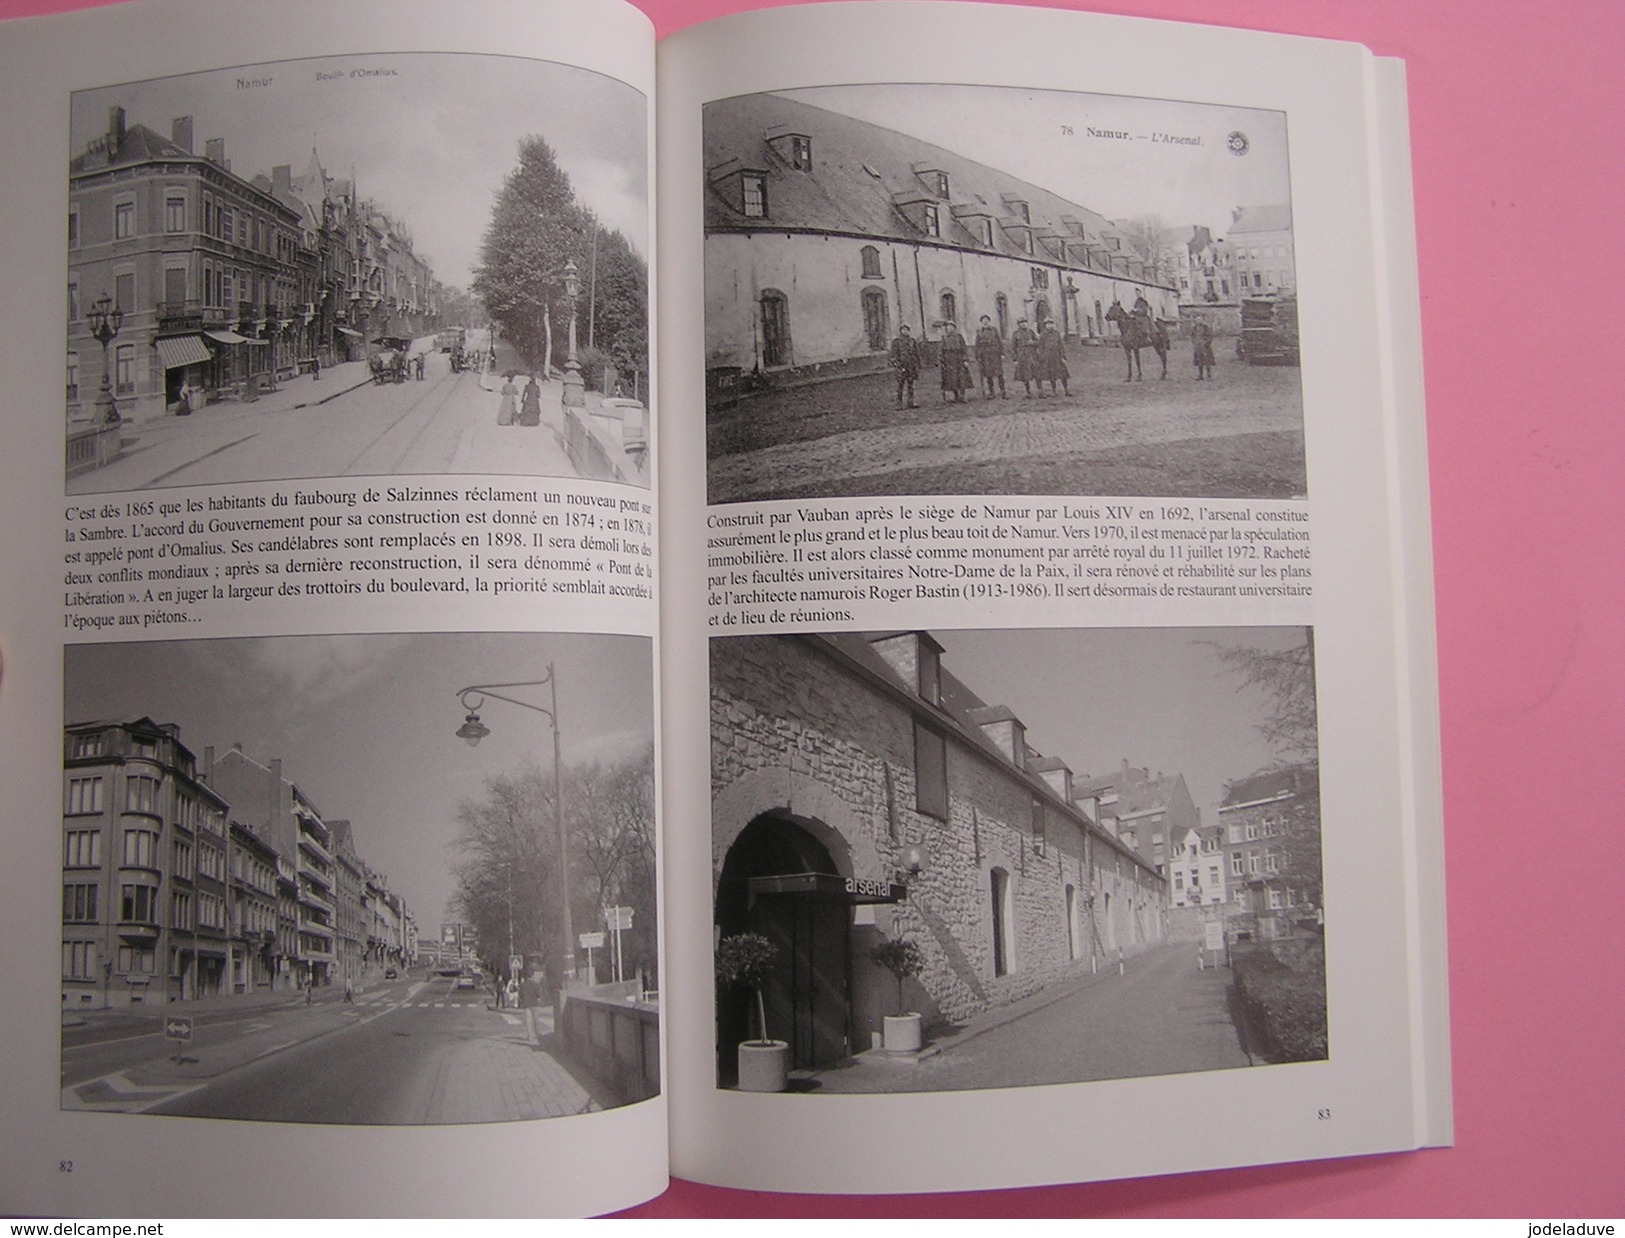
column 415, row 1050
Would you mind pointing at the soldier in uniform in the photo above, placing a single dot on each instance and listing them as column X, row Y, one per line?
column 905, row 359
column 1024, row 346
column 1052, row 366
column 955, row 367
column 1202, row 337
column 990, row 357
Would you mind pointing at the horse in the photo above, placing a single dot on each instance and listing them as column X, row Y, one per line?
column 1138, row 333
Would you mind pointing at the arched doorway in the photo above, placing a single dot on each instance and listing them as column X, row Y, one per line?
column 769, row 886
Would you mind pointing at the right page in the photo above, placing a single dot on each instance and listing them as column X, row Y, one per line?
column 1055, row 582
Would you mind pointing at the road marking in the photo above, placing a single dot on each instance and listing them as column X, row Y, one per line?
column 119, row 1093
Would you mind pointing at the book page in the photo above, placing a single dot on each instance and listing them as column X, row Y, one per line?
column 329, row 616
column 1058, row 633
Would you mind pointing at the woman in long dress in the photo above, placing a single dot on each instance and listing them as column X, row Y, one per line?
column 530, row 404
column 509, row 407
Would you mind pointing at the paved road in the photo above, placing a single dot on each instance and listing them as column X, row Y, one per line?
column 411, row 1052
column 1162, row 1017
column 444, row 424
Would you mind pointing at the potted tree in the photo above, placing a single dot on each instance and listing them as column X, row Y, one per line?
column 902, row 958
column 745, row 960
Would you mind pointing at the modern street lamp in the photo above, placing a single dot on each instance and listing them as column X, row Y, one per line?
column 473, row 730
column 105, row 321
column 575, row 395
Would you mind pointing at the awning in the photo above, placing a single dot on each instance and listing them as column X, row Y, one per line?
column 354, row 335
column 225, row 337
column 176, row 351
column 829, row 887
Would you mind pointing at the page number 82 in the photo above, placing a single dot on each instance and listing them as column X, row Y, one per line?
column 1323, row 1115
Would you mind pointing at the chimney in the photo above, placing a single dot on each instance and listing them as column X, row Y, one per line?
column 214, row 150
column 282, row 179
column 208, row 763
column 180, row 133
column 115, row 130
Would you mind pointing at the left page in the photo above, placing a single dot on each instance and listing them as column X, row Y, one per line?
column 352, row 463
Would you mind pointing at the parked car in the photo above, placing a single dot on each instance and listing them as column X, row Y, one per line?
column 391, row 974
column 466, row 980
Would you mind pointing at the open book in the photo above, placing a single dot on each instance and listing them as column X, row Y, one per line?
column 900, row 661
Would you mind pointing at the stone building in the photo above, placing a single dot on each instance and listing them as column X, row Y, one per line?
column 1271, row 824
column 860, row 791
column 824, row 234
column 1261, row 248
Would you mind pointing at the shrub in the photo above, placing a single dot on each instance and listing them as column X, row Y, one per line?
column 902, row 958
column 746, row 960
column 1284, row 1006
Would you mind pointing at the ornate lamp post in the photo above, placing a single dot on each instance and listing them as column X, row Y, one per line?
column 575, row 395
column 105, row 321
column 473, row 730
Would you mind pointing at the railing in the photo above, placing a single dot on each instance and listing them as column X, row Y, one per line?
column 90, row 447
column 619, row 1041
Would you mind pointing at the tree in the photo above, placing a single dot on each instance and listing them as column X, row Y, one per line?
column 609, row 817
column 537, row 226
column 1149, row 236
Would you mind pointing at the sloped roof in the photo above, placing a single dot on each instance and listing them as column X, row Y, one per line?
column 858, row 171
column 1270, row 784
column 140, row 144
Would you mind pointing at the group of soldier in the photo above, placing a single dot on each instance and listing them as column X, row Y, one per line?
column 1040, row 357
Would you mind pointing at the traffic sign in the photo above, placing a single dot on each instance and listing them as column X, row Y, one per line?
column 620, row 917
column 592, row 941
column 516, row 964
column 178, row 1027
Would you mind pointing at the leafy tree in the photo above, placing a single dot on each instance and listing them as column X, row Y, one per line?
column 745, row 960
column 1149, row 236
column 903, row 958
column 537, row 226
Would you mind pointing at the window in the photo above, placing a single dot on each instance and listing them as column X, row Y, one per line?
column 123, row 220
column 79, row 960
column 800, row 152
column 124, row 369
column 228, row 223
column 79, row 904
column 1213, row 874
column 209, row 863
column 140, row 849
column 999, row 887
column 775, row 328
column 1241, row 899
column 1275, row 900
column 876, row 321
column 124, row 292
column 1235, row 864
column 175, row 288
column 1001, row 304
column 1252, row 861
column 84, row 795
column 1272, row 863
column 984, row 231
column 1252, row 830
column 1025, row 240
column 182, row 860
column 929, row 665
column 73, row 227
column 180, row 910
column 175, row 212
column 82, row 849
column 140, row 794
column 1038, row 824
column 141, row 960
column 1179, row 880
column 947, row 307
column 73, row 300
column 754, row 188
column 1040, row 277
column 930, row 771
column 871, row 262
column 139, row 905
column 933, row 221
column 942, row 184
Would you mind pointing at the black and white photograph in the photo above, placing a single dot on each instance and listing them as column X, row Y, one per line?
column 989, row 859
column 944, row 289
column 369, row 880
column 390, row 264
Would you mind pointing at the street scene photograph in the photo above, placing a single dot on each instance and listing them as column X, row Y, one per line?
column 370, row 880
column 988, row 859
column 391, row 264
column 938, row 289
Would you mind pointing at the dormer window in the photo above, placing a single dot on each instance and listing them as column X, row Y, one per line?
column 984, row 231
column 930, row 665
column 933, row 221
column 942, row 184
column 753, row 189
column 800, row 152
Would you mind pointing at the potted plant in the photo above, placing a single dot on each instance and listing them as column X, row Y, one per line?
column 746, row 960
column 902, row 958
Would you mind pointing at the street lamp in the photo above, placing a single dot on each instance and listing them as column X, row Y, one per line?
column 473, row 730
column 574, row 389
column 105, row 321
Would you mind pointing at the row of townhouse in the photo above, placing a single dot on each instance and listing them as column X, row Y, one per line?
column 1255, row 260
column 182, row 882
column 219, row 280
column 861, row 791
column 825, row 233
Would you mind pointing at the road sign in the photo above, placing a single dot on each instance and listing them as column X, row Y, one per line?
column 516, row 964
column 178, row 1027
column 592, row 941
column 620, row 917
column 1215, row 935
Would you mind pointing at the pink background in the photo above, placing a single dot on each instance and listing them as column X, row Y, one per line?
column 1518, row 125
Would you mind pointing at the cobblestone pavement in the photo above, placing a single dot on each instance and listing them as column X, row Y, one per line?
column 1163, row 1016
column 846, row 436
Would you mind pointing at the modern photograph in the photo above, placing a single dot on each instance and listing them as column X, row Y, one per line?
column 988, row 859
column 369, row 880
column 390, row 264
column 937, row 289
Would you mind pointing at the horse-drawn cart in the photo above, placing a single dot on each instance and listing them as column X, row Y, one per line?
column 388, row 364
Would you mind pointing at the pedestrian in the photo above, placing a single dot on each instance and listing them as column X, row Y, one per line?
column 1024, row 345
column 1202, row 338
column 315, row 369
column 349, row 989
column 508, row 409
column 905, row 359
column 420, row 367
column 1052, row 360
column 530, row 404
column 183, row 400
column 955, row 367
column 990, row 357
column 511, row 993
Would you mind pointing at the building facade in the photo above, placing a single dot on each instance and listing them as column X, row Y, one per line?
column 1271, row 824
column 824, row 234
column 860, row 792
column 1261, row 246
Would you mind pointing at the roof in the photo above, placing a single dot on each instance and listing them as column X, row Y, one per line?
column 1262, row 219
column 140, row 145
column 1269, row 785
column 859, row 172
